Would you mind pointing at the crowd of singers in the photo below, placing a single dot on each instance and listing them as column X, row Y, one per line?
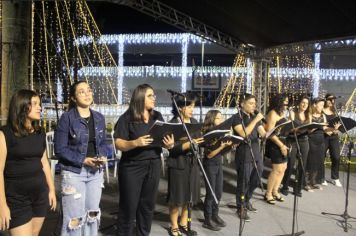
column 27, row 189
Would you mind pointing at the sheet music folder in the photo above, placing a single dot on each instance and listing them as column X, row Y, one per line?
column 348, row 122
column 228, row 137
column 286, row 128
column 160, row 129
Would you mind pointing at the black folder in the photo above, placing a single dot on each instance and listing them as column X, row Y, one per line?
column 283, row 128
column 214, row 135
column 160, row 129
column 348, row 122
column 228, row 137
column 310, row 126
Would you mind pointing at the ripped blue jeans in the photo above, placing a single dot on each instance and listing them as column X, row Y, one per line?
column 81, row 195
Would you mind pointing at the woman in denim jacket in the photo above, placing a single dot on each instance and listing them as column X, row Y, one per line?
column 81, row 149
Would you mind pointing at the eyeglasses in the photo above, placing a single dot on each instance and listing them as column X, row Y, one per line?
column 152, row 96
column 82, row 93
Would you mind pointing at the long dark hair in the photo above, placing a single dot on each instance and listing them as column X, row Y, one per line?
column 181, row 101
column 20, row 106
column 72, row 104
column 137, row 103
column 209, row 121
column 277, row 103
column 307, row 112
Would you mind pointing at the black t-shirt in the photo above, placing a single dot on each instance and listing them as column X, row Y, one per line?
column 243, row 149
column 247, row 120
column 127, row 129
column 91, row 151
column 23, row 153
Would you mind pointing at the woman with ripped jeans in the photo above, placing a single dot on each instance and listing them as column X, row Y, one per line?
column 81, row 149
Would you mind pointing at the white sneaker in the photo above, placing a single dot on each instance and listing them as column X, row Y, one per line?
column 324, row 183
column 337, row 182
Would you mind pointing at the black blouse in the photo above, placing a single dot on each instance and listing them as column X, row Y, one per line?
column 128, row 130
column 23, row 153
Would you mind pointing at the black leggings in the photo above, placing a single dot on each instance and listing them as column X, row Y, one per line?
column 214, row 173
column 332, row 143
column 138, row 185
column 304, row 149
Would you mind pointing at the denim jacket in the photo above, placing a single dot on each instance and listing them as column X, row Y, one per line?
column 71, row 139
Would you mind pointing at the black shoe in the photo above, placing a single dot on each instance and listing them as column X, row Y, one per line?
column 285, row 191
column 209, row 224
column 244, row 216
column 219, row 222
column 184, row 230
column 249, row 207
column 298, row 193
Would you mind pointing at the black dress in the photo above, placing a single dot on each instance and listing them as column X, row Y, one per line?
column 26, row 188
column 273, row 151
column 183, row 174
column 316, row 153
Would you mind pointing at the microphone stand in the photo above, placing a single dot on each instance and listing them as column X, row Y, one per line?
column 345, row 216
column 242, row 197
column 299, row 166
column 195, row 150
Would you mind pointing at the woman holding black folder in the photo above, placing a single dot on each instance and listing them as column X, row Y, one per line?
column 316, row 145
column 331, row 142
column 301, row 115
column 139, row 169
column 247, row 124
column 183, row 170
column 213, row 168
column 276, row 148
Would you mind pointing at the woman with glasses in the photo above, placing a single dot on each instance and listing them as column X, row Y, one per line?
column 140, row 165
column 80, row 145
column 276, row 148
column 26, row 184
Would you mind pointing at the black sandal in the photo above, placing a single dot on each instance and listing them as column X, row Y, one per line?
column 278, row 198
column 174, row 232
column 271, row 201
column 184, row 229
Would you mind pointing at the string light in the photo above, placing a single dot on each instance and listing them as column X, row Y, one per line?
column 316, row 75
column 214, row 71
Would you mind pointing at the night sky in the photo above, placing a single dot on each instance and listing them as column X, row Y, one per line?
column 117, row 19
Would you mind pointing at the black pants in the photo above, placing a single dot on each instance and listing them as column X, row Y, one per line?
column 138, row 184
column 304, row 149
column 332, row 143
column 214, row 173
column 247, row 175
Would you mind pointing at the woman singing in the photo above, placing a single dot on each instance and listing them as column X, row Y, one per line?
column 331, row 143
column 80, row 145
column 246, row 124
column 26, row 184
column 300, row 115
column 183, row 170
column 276, row 148
column 140, row 165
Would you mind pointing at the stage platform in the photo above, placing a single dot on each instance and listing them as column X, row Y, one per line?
column 269, row 220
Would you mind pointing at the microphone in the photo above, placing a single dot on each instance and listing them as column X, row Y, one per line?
column 263, row 119
column 174, row 93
